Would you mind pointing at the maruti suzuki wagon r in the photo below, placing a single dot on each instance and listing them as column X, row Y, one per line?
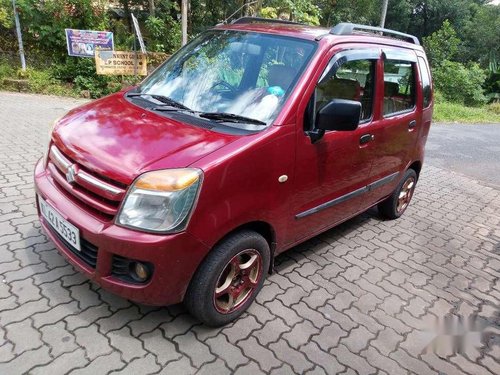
column 249, row 140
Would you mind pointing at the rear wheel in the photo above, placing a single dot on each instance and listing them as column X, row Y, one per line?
column 397, row 203
column 228, row 280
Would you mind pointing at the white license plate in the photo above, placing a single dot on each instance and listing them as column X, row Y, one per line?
column 67, row 230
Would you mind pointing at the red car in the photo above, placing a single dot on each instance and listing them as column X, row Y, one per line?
column 249, row 140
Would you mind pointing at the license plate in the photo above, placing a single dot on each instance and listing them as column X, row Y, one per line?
column 67, row 230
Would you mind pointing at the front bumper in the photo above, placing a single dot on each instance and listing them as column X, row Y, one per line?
column 174, row 257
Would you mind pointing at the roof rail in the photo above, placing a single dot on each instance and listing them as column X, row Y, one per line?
column 349, row 28
column 262, row 20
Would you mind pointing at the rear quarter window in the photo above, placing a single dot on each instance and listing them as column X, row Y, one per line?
column 426, row 82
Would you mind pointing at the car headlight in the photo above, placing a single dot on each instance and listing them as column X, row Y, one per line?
column 161, row 201
column 48, row 140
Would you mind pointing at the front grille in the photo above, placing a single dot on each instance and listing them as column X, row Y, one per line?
column 88, row 252
column 120, row 267
column 97, row 192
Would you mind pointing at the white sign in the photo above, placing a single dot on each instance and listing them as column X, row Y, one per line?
column 138, row 33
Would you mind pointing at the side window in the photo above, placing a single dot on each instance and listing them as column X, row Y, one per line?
column 353, row 80
column 399, row 86
column 426, row 82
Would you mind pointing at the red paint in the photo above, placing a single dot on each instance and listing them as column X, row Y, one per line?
column 116, row 139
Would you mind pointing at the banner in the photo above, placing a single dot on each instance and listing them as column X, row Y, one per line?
column 84, row 43
column 120, row 63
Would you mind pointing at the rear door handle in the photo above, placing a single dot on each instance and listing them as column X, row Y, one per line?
column 412, row 124
column 365, row 138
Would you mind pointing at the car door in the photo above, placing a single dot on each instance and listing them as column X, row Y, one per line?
column 332, row 174
column 395, row 135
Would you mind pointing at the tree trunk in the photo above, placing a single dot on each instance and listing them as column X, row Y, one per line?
column 258, row 7
column 152, row 8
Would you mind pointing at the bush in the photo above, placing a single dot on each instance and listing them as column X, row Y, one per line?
column 81, row 73
column 6, row 70
column 495, row 108
column 460, row 84
column 441, row 45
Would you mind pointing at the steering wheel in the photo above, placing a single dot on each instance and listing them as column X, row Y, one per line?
column 224, row 84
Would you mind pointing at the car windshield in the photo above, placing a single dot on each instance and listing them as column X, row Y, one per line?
column 232, row 72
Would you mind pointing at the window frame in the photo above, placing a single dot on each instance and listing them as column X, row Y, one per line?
column 331, row 69
column 407, row 57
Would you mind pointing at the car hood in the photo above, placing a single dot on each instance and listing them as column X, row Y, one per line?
column 119, row 140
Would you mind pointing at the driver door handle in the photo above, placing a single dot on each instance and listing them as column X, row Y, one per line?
column 365, row 138
column 412, row 124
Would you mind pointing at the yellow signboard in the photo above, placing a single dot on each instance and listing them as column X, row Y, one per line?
column 120, row 63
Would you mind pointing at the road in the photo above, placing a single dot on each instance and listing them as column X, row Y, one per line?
column 363, row 298
column 472, row 150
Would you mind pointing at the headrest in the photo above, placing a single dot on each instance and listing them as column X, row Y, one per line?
column 391, row 89
column 344, row 88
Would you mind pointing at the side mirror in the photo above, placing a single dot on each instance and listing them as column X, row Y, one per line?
column 339, row 114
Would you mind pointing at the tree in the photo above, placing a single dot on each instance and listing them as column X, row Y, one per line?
column 481, row 35
column 442, row 44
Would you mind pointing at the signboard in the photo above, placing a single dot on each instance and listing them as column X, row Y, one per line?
column 84, row 43
column 120, row 63
column 138, row 32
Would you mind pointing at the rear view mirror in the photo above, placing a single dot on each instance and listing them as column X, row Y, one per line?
column 248, row 48
column 340, row 115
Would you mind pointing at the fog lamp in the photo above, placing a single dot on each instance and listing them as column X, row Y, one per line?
column 139, row 271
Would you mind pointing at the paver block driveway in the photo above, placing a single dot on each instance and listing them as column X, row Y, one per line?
column 366, row 297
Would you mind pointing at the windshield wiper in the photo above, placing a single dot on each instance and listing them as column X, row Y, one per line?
column 161, row 98
column 230, row 117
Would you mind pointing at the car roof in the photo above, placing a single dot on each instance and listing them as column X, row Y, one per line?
column 308, row 32
column 285, row 29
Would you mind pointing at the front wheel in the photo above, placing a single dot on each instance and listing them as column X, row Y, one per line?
column 228, row 280
column 397, row 203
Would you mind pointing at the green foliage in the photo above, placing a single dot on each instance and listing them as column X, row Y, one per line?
column 492, row 84
column 5, row 15
column 6, row 71
column 269, row 12
column 360, row 11
column 304, row 11
column 81, row 72
column 43, row 23
column 442, row 44
column 460, row 84
column 481, row 35
column 495, row 108
column 163, row 35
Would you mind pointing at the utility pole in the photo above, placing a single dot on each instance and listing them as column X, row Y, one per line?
column 19, row 36
column 385, row 3
column 184, row 11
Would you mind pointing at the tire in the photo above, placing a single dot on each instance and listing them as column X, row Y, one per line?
column 396, row 204
column 228, row 280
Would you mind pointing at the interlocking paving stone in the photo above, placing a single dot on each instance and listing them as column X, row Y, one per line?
column 356, row 299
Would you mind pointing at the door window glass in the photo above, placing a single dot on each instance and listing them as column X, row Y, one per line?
column 399, row 86
column 353, row 80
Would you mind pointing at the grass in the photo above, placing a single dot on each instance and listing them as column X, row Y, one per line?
column 452, row 112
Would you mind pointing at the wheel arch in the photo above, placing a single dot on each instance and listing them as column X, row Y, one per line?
column 263, row 228
column 417, row 167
